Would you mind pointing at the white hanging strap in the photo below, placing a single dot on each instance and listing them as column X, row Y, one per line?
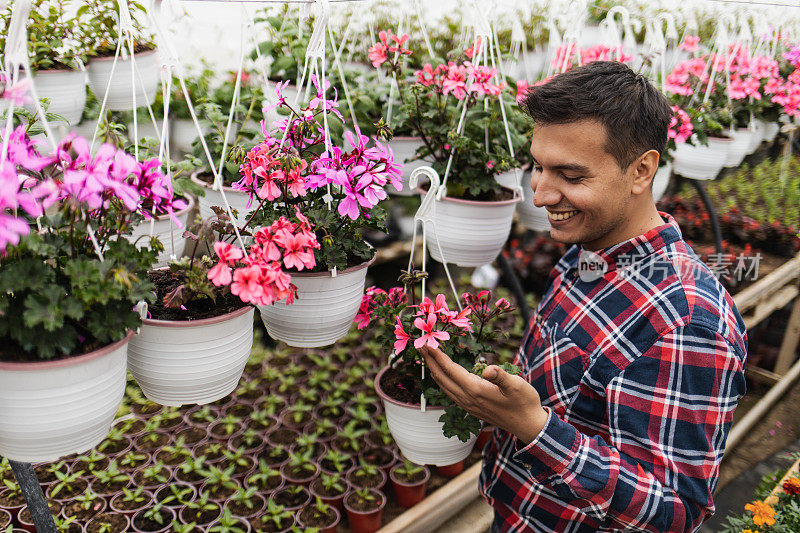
column 421, row 21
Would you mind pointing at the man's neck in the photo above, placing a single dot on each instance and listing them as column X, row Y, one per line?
column 636, row 226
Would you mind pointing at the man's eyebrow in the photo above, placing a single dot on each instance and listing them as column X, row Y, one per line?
column 567, row 166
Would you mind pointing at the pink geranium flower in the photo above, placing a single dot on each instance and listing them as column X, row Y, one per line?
column 401, row 336
column 430, row 336
column 247, row 284
column 690, row 43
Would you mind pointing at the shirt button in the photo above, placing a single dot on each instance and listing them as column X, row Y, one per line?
column 527, row 465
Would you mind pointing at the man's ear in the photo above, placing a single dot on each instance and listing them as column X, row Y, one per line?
column 644, row 169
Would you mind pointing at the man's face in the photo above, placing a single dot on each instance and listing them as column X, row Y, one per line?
column 580, row 184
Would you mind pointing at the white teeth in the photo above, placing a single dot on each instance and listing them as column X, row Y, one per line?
column 563, row 216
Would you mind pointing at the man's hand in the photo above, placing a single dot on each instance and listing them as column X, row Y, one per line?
column 506, row 401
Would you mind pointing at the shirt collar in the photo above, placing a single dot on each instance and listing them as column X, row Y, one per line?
column 643, row 245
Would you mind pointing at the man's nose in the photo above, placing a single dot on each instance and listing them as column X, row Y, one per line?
column 545, row 189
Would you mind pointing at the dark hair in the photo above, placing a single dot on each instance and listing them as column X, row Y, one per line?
column 635, row 114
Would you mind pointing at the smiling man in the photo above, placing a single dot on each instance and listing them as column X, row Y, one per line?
column 634, row 362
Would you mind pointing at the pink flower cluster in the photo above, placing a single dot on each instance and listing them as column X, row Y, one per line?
column 572, row 55
column 680, row 126
column 361, row 174
column 691, row 43
column 259, row 277
column 262, row 163
column 378, row 53
column 432, row 320
column 373, row 299
column 73, row 173
column 460, row 80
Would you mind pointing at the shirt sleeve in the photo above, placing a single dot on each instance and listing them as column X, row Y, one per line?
column 669, row 413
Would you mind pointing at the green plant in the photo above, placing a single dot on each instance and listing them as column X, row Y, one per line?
column 86, row 499
column 219, row 478
column 352, row 434
column 284, row 44
column 299, row 411
column 263, row 475
column 94, row 458
column 54, row 39
column 178, row 495
column 408, row 468
column 227, row 524
column 111, row 474
column 204, row 414
column 98, row 20
column 177, row 527
column 249, row 387
column 156, row 514
column 244, row 497
column 276, row 513
column 301, row 461
column 154, row 473
column 63, row 524
column 202, row 504
column 237, row 458
column 133, row 495
column 332, row 482
column 230, row 423
column 339, row 461
column 193, row 464
column 65, row 482
column 132, row 459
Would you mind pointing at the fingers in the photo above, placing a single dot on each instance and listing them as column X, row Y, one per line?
column 499, row 377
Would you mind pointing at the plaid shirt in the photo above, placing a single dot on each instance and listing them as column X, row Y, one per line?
column 640, row 372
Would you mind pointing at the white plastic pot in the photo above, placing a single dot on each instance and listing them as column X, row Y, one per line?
column 66, row 90
column 771, row 130
column 237, row 200
column 405, row 149
column 405, row 224
column 661, row 181
column 470, row 233
column 531, row 217
column 192, row 361
column 120, row 94
column 701, row 162
column 50, row 409
column 758, row 135
column 509, row 178
column 740, row 147
column 167, row 232
column 146, row 128
column 183, row 134
column 323, row 311
column 418, row 433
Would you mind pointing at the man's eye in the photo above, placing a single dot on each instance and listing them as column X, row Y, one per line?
column 537, row 168
column 572, row 179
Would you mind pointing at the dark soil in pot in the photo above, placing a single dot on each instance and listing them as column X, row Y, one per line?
column 100, row 464
column 107, row 489
column 298, row 474
column 313, row 516
column 133, row 427
column 377, row 456
column 115, row 447
column 243, row 511
column 268, row 526
column 190, row 478
column 118, row 523
column 145, row 409
column 342, row 445
column 199, row 517
column 212, row 450
column 150, row 442
column 292, row 500
column 168, row 458
column 77, row 510
column 220, row 431
column 296, row 422
column 119, row 504
column 150, row 483
column 274, row 455
column 165, row 282
column 165, row 492
column 192, row 436
column 284, row 436
column 401, row 383
column 148, row 524
column 241, row 410
column 330, row 466
column 45, row 476
column 5, row 519
column 68, row 492
column 362, row 480
column 318, row 489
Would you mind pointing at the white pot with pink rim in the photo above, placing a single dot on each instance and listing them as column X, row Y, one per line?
column 237, row 199
column 122, row 84
column 470, row 233
column 661, row 180
column 66, row 91
column 701, row 162
column 177, row 362
column 323, row 311
column 49, row 409
column 418, row 433
column 165, row 229
column 405, row 150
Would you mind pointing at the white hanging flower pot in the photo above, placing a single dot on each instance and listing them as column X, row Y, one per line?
column 323, row 311
column 66, row 90
column 531, row 217
column 771, row 130
column 701, row 162
column 758, row 136
column 661, row 181
column 183, row 134
column 120, row 95
column 167, row 232
column 740, row 147
column 470, row 233
column 146, row 128
column 49, row 409
column 508, row 179
column 405, row 149
column 178, row 362
column 418, row 433
column 237, row 200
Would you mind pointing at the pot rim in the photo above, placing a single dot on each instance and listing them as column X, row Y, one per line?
column 406, row 484
column 69, row 360
column 335, row 523
column 165, row 216
column 56, row 71
column 364, row 513
column 386, row 398
column 495, row 203
column 406, row 138
column 111, row 58
column 201, row 322
column 327, row 273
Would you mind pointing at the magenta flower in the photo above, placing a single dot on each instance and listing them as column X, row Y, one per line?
column 430, row 337
column 401, row 336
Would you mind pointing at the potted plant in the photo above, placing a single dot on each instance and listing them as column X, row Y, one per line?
column 198, row 84
column 292, row 497
column 227, row 523
column 276, row 518
column 366, row 476
column 70, row 287
column 220, row 483
column 152, row 476
column 246, row 503
column 442, row 433
column 110, row 481
column 409, row 482
column 195, row 346
column 330, row 488
column 175, row 495
column 111, row 75
column 350, row 439
column 265, row 478
column 319, row 515
column 108, row 523
column 332, row 196
column 364, row 510
column 56, row 49
column 132, row 461
column 300, row 469
column 128, row 501
column 201, row 511
column 153, row 520
column 190, row 471
column 471, row 151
